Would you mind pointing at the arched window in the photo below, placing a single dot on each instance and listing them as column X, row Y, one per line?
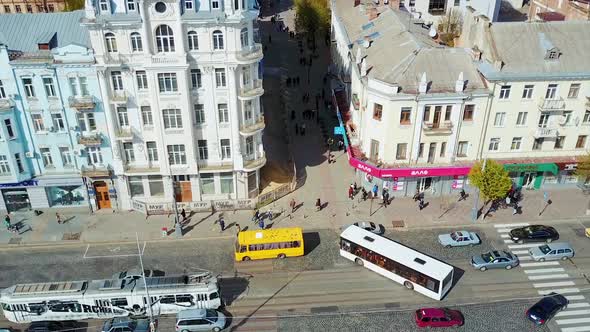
column 111, row 42
column 136, row 44
column 193, row 41
column 217, row 40
column 244, row 37
column 165, row 39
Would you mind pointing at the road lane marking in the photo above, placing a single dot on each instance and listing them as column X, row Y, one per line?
column 510, row 225
column 535, row 264
column 505, row 236
column 504, row 230
column 520, row 246
column 557, row 269
column 508, row 241
column 578, row 305
column 525, row 258
column 576, row 329
column 520, row 252
column 550, row 276
column 554, row 284
column 575, row 297
column 573, row 321
column 559, row 291
column 573, row 313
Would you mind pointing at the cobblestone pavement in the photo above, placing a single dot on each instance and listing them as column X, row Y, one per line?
column 496, row 317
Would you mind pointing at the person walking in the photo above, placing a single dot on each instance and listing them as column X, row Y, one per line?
column 462, row 195
column 58, row 218
column 318, row 204
column 256, row 216
column 421, row 204
column 385, row 198
column 351, row 192
column 7, row 222
column 261, row 223
column 222, row 223
column 416, row 196
column 292, row 205
column 375, row 190
column 183, row 214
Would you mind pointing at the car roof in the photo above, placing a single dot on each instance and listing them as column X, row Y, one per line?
column 559, row 245
column 432, row 312
column 191, row 314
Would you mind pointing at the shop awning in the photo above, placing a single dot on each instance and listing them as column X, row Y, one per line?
column 542, row 167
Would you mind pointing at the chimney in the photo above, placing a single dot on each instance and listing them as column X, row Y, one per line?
column 460, row 83
column 423, row 86
column 364, row 68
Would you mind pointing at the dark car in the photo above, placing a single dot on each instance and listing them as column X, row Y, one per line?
column 546, row 308
column 51, row 326
column 534, row 233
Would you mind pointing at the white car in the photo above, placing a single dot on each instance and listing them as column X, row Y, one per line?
column 459, row 239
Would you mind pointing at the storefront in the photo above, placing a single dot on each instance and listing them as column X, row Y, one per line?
column 531, row 175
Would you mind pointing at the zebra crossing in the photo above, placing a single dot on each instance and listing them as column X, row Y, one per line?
column 548, row 277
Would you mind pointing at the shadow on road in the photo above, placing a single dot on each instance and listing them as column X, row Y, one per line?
column 311, row 241
column 232, row 288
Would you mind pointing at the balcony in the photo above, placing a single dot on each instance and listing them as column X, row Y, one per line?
column 442, row 128
column 252, row 127
column 208, row 165
column 355, row 101
column 124, row 134
column 250, row 54
column 90, row 140
column 115, row 59
column 95, row 171
column 164, row 60
column 545, row 132
column 252, row 90
column 82, row 103
column 119, row 96
column 254, row 163
column 6, row 104
column 149, row 168
column 554, row 104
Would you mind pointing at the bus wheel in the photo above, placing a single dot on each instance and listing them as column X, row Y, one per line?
column 246, row 258
column 359, row 261
column 408, row 285
column 281, row 256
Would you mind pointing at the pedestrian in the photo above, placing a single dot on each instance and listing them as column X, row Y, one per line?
column 364, row 193
column 58, row 218
column 416, row 195
column 261, row 223
column 462, row 195
column 355, row 188
column 222, row 223
column 386, row 198
column 421, row 204
column 183, row 214
column 318, row 204
column 515, row 209
column 375, row 190
column 7, row 221
column 256, row 216
column 292, row 205
column 270, row 214
column 350, row 192
column 340, row 145
column 238, row 227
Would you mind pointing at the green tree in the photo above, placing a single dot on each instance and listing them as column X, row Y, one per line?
column 312, row 16
column 74, row 5
column 492, row 180
column 583, row 172
column 449, row 26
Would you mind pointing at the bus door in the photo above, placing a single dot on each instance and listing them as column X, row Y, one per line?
column 155, row 303
column 19, row 312
column 102, row 307
column 201, row 301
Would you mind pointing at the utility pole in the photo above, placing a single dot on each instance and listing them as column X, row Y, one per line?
column 147, row 294
column 475, row 202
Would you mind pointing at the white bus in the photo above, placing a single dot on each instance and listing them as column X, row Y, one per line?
column 76, row 300
column 393, row 260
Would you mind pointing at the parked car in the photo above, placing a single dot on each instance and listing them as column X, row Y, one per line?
column 136, row 274
column 495, row 260
column 193, row 320
column 371, row 227
column 438, row 317
column 546, row 308
column 459, row 239
column 552, row 251
column 125, row 324
column 534, row 233
column 52, row 326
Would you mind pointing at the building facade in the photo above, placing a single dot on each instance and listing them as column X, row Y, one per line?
column 54, row 150
column 31, row 6
column 431, row 11
column 559, row 10
column 181, row 83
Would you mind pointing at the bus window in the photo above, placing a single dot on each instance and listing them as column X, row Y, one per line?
column 119, row 302
column 213, row 296
column 6, row 307
column 37, row 308
column 184, row 298
column 167, row 299
column 296, row 244
column 242, row 248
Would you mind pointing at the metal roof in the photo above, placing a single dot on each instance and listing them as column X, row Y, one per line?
column 22, row 32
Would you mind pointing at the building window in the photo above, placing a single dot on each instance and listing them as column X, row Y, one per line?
column 586, row 119
column 196, row 81
column 2, row 91
column 215, row 4
column 9, row 129
column 516, row 142
column 152, row 151
column 29, row 89
column 421, row 150
column 220, row 77
column 581, row 142
column 426, row 114
column 207, row 184
column 203, row 150
column 494, row 144
column 468, row 112
column 217, row 40
column 505, row 92
column 156, row 185
column 223, row 113
column 193, row 40
column 129, row 152
column 146, row 116
column 443, row 149
column 225, row 149
column 167, row 82
column 38, row 124
column 574, row 90
column 83, row 86
column 551, row 91
column 7, row 9
column 66, row 157
column 405, row 115
column 135, row 186
column 244, row 37
column 4, row 165
column 377, row 111
column 559, row 141
column 448, row 111
column 521, row 118
column 246, row 76
column 73, row 86
column 402, row 151
column 94, row 156
column 199, row 113
column 19, row 163
column 49, row 87
column 136, row 43
column 29, row 9
column 58, row 122
column 188, row 4
column 40, row 9
column 117, row 80
column 249, row 145
column 51, row 8
column 176, row 154
column 46, row 157
column 104, row 7
column 462, row 149
column 111, row 42
column 567, row 118
column 499, row 119
column 86, row 122
column 227, row 182
column 131, row 5
column 538, row 143
column 172, row 118
column 142, row 81
column 17, row 9
column 436, row 7
column 247, row 110
column 164, row 39
column 527, row 92
column 122, row 116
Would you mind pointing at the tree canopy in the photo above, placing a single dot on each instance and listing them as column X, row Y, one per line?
column 583, row 169
column 493, row 181
column 74, row 5
column 312, row 16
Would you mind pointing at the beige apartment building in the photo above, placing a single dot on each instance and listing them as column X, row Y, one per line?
column 31, row 6
column 559, row 10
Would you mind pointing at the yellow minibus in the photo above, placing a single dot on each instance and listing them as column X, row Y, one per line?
column 269, row 243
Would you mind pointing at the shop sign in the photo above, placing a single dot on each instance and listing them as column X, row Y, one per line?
column 159, row 208
column 544, row 167
column 27, row 183
column 139, row 206
column 408, row 172
column 195, row 206
column 224, row 205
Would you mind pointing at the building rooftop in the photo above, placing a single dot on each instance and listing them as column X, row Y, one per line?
column 23, row 32
column 398, row 49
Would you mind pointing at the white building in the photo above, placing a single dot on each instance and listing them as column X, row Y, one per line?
column 431, row 11
column 181, row 87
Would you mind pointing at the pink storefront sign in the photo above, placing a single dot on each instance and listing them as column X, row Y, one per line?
column 408, row 172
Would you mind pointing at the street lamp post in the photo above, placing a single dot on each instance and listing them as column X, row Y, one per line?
column 147, row 294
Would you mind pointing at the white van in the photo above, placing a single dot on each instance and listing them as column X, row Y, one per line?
column 552, row 251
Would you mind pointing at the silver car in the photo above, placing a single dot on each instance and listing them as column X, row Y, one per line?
column 192, row 320
column 459, row 239
column 552, row 251
column 494, row 260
